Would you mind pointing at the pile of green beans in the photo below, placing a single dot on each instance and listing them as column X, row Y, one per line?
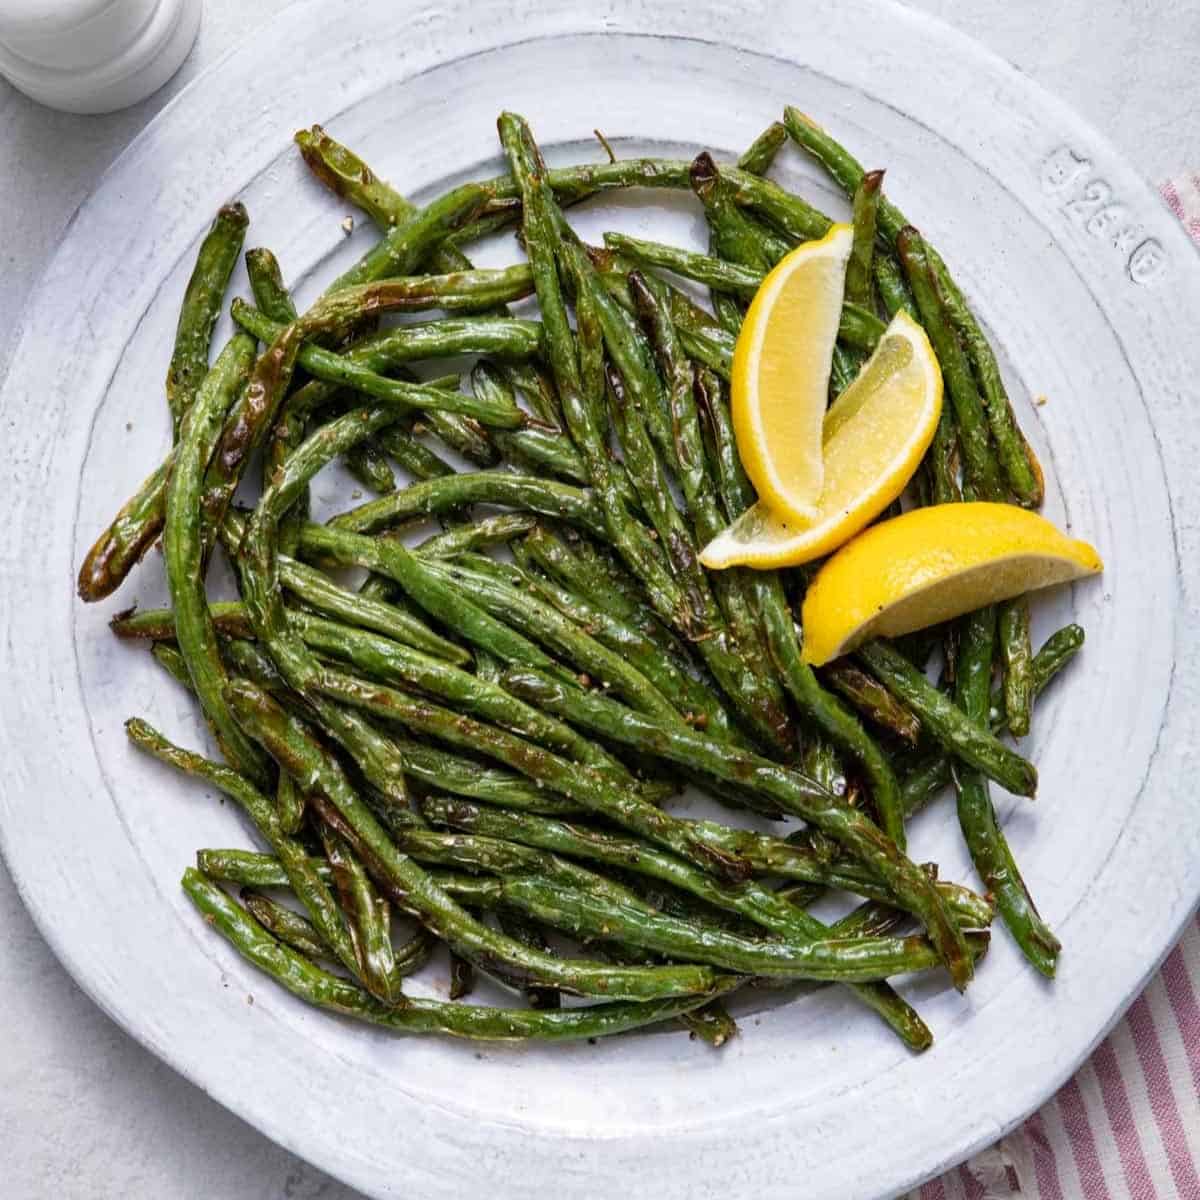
column 478, row 745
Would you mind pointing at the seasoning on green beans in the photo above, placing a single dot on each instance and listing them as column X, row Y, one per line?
column 475, row 747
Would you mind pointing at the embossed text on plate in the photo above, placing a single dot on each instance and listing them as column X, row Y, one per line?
column 1089, row 202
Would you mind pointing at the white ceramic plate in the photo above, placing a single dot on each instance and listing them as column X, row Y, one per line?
column 1090, row 291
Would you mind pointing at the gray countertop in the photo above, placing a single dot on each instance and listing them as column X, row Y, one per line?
column 85, row 1112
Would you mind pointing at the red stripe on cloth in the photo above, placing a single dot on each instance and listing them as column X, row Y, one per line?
column 1162, row 1098
column 1122, row 1123
column 972, row 1188
column 935, row 1189
column 1182, row 998
column 1045, row 1169
column 1083, row 1144
column 1170, row 193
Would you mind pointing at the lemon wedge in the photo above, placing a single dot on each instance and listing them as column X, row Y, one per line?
column 874, row 437
column 780, row 379
column 929, row 565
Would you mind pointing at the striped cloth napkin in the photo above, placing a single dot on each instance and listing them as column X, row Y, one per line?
column 1127, row 1127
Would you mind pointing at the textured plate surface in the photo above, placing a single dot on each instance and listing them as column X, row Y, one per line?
column 1086, row 284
